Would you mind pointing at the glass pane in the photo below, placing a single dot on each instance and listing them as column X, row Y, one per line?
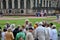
column 4, row 4
column 10, row 4
column 16, row 4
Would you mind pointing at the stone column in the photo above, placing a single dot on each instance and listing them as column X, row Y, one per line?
column 45, row 2
column 31, row 3
column 35, row 3
column 39, row 1
column 6, row 4
column 42, row 3
column 12, row 4
column 1, row 4
column 48, row 3
column 24, row 6
column 13, row 7
column 18, row 4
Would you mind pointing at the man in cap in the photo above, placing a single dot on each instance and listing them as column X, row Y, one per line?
column 40, row 32
column 54, row 33
column 26, row 23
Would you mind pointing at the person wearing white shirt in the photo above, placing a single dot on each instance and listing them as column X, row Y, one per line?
column 47, row 32
column 40, row 32
column 50, row 33
column 54, row 33
column 3, row 34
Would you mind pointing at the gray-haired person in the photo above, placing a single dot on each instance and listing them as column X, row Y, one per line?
column 40, row 32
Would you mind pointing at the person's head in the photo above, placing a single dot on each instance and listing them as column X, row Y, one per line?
column 44, row 23
column 20, row 38
column 12, row 26
column 7, row 23
column 9, row 29
column 18, row 27
column 30, row 24
column 0, row 28
column 27, row 29
column 36, row 24
column 30, row 29
column 47, row 25
column 23, row 26
column 26, row 21
column 40, row 23
column 53, row 26
column 4, row 30
column 21, row 29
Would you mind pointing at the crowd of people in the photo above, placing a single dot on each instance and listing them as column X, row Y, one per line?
column 40, row 31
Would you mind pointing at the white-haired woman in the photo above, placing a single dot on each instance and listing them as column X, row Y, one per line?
column 12, row 26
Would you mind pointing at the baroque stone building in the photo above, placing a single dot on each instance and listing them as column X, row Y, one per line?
column 25, row 7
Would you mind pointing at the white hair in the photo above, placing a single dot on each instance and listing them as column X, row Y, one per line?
column 40, row 23
column 53, row 25
column 26, row 20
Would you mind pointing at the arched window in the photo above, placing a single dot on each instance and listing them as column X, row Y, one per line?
column 22, row 4
column 4, row 4
column 10, row 4
column 16, row 4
